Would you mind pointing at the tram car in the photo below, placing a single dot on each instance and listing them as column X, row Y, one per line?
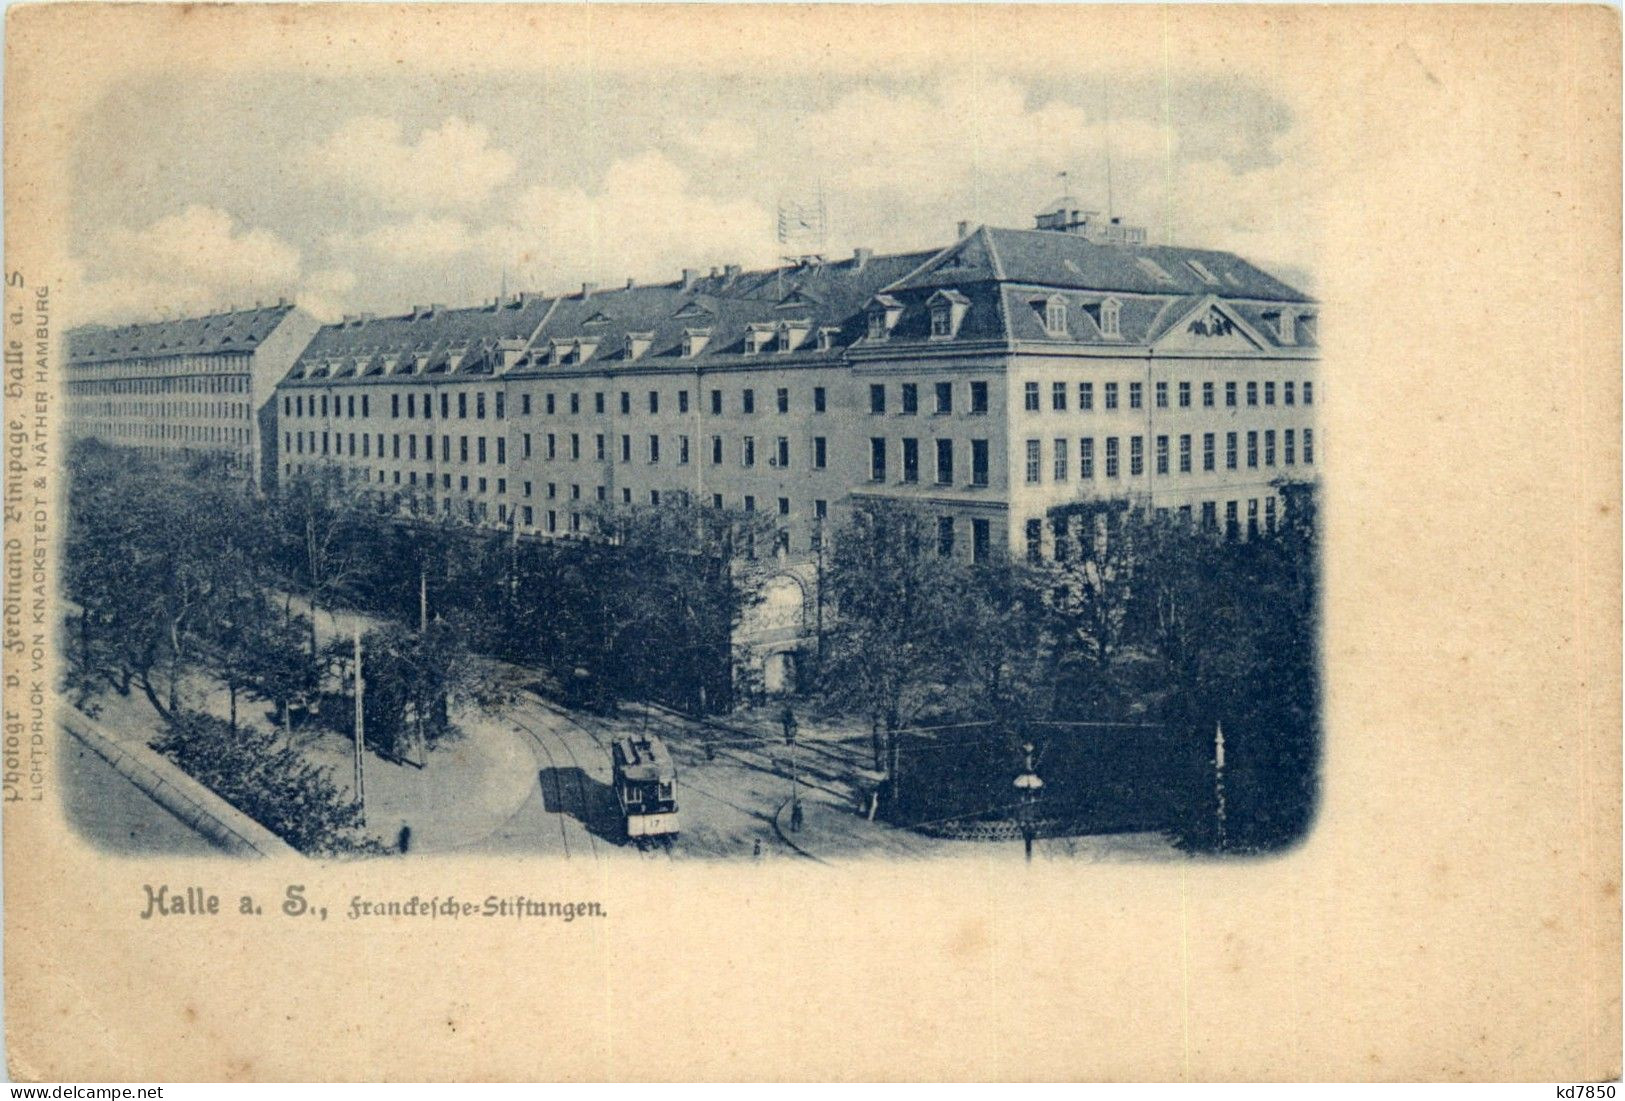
column 645, row 787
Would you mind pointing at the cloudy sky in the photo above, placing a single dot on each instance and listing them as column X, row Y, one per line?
column 355, row 193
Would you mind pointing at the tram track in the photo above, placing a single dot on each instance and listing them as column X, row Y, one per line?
column 553, row 765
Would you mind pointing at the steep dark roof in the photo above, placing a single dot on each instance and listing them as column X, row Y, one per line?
column 1052, row 259
column 212, row 334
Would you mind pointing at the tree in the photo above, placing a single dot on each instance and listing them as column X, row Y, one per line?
column 893, row 648
column 319, row 525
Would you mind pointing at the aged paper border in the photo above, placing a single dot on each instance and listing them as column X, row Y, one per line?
column 1455, row 913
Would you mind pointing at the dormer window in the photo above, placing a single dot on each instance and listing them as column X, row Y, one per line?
column 792, row 334
column 948, row 309
column 757, row 338
column 637, row 344
column 1202, row 271
column 826, row 339
column 1055, row 316
column 1109, row 311
column 883, row 310
column 1287, row 328
column 694, row 342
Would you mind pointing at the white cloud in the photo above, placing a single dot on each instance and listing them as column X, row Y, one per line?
column 646, row 220
column 193, row 261
column 421, row 240
column 452, row 167
column 325, row 292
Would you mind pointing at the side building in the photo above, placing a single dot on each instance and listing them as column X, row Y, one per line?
column 198, row 386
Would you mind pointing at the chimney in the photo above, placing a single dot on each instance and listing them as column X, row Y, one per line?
column 437, row 307
column 587, row 289
column 281, row 302
column 964, row 228
column 861, row 256
column 630, row 282
column 419, row 311
column 732, row 271
column 690, row 277
column 715, row 272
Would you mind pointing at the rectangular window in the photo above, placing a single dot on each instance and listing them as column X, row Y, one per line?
column 1162, row 454
column 654, row 402
column 551, row 406
column 1232, row 526
column 1135, row 395
column 626, row 448
column 1184, row 395
column 1289, row 446
column 1230, row 451
column 501, row 411
column 716, row 403
column 1210, row 516
column 1111, row 457
column 1136, row 456
column 781, row 449
column 1207, row 395
column 1057, row 397
column 524, row 411
column 1185, row 453
column 945, row 397
column 682, row 450
column 1035, row 540
column 1111, row 395
column 1308, row 396
column 682, row 401
column 877, row 398
column 819, row 399
column 502, row 449
column 747, row 401
column 462, row 406
column 1269, row 393
column 575, row 447
column 411, row 446
column 716, row 450
column 1287, row 393
column 394, row 405
column 781, row 399
column 911, row 460
column 978, row 462
column 911, row 398
column 552, row 446
column 1269, row 447
column 1252, row 517
column 481, row 443
column 1060, row 460
column 1086, row 397
column 945, row 462
column 1269, row 515
column 1162, row 395
column 877, row 459
column 1086, row 457
column 1230, row 395
column 1029, row 396
column 524, row 443
column 654, row 449
column 978, row 397
column 945, row 536
column 626, row 403
column 479, row 405
column 1034, row 462
column 981, row 542
column 1252, row 393
column 1308, row 443
column 747, row 451
column 1252, row 450
column 820, row 452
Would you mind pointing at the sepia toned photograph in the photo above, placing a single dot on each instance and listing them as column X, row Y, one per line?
column 575, row 542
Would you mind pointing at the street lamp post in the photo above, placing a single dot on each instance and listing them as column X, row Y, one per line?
column 1028, row 789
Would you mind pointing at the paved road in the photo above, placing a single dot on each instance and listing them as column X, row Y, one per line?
column 112, row 813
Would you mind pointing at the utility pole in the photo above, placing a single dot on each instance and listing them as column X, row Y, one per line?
column 360, row 789
column 423, row 599
column 1218, row 776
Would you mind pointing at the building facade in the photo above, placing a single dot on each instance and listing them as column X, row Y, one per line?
column 201, row 386
column 984, row 382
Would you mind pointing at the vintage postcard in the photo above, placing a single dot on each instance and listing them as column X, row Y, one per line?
column 867, row 542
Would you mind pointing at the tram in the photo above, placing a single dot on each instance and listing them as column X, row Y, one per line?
column 645, row 787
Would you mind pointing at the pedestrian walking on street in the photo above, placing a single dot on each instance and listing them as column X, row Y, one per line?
column 757, row 851
column 795, row 817
column 404, row 841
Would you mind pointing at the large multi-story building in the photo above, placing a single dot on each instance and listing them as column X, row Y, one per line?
column 985, row 382
column 189, row 387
